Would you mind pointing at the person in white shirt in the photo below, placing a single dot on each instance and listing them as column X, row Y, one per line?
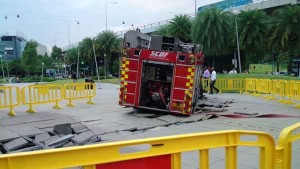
column 213, row 78
column 233, row 71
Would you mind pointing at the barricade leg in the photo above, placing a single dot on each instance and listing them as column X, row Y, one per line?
column 297, row 106
column 176, row 161
column 90, row 101
column 204, row 159
column 11, row 112
column 70, row 104
column 231, row 158
column 289, row 101
column 31, row 110
column 57, row 106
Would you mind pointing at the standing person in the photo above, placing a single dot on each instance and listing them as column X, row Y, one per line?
column 213, row 79
column 74, row 77
column 206, row 75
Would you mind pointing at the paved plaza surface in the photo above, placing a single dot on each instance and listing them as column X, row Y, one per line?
column 111, row 122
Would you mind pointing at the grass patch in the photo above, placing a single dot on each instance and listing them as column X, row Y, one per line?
column 113, row 81
column 258, row 76
column 265, row 68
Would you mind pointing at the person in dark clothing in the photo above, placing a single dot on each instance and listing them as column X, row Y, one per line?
column 213, row 79
column 74, row 77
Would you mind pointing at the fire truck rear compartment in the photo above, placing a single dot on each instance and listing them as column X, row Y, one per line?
column 156, row 84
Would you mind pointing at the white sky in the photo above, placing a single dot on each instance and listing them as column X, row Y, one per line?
column 41, row 20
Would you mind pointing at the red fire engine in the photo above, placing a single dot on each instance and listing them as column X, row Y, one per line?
column 160, row 73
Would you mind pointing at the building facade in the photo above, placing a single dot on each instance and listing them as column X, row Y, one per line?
column 11, row 47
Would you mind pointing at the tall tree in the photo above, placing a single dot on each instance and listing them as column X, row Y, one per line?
column 56, row 52
column 180, row 27
column 87, row 54
column 253, row 27
column 71, row 59
column 106, row 43
column 286, row 35
column 29, row 57
column 163, row 30
column 211, row 28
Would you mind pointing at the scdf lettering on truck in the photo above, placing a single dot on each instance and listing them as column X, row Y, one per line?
column 159, row 54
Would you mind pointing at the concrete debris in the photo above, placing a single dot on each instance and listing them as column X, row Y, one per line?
column 42, row 137
column 94, row 139
column 83, row 138
column 15, row 144
column 245, row 113
column 69, row 144
column 78, row 128
column 61, row 141
column 63, row 129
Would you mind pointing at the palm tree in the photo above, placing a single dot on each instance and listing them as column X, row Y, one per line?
column 163, row 30
column 86, row 52
column 253, row 27
column 211, row 28
column 180, row 27
column 106, row 43
column 286, row 35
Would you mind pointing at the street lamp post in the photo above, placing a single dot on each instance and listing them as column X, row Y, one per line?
column 237, row 40
column 104, row 59
column 77, row 62
column 106, row 11
column 65, row 65
column 97, row 71
column 42, row 72
column 2, row 69
column 69, row 29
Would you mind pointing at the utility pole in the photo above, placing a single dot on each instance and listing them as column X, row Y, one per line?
column 106, row 12
column 195, row 7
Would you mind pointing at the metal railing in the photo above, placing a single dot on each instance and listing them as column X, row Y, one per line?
column 162, row 152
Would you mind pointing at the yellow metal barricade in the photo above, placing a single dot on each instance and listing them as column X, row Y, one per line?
column 41, row 94
column 76, row 91
column 263, row 87
column 294, row 91
column 206, row 85
column 284, row 148
column 93, row 156
column 250, row 85
column 229, row 84
column 9, row 98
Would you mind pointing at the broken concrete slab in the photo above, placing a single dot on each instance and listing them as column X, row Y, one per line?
column 7, row 135
column 69, row 144
column 78, row 128
column 33, row 148
column 24, row 130
column 61, row 141
column 15, row 144
column 83, row 137
column 10, row 121
column 63, row 129
column 42, row 137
